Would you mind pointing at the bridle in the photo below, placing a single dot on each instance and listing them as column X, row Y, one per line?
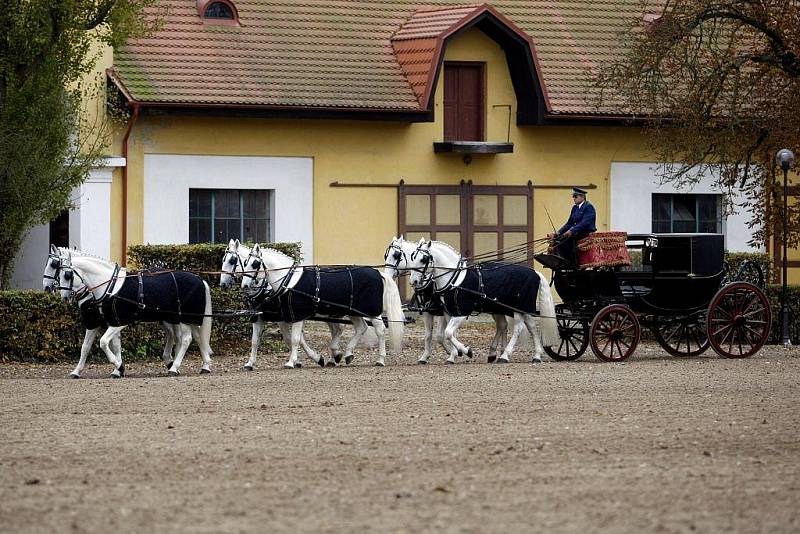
column 398, row 255
column 61, row 264
column 427, row 262
column 234, row 261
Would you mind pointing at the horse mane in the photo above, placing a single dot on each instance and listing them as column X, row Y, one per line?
column 80, row 254
column 276, row 252
column 448, row 245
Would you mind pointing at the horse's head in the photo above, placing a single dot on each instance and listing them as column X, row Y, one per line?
column 395, row 258
column 231, row 264
column 421, row 265
column 253, row 269
column 69, row 282
column 51, row 268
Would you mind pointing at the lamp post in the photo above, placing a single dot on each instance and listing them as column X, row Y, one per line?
column 785, row 159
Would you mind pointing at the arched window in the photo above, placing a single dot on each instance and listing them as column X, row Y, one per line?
column 219, row 10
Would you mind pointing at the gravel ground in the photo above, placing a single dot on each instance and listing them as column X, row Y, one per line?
column 656, row 444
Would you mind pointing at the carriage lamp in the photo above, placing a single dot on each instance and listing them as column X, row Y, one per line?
column 785, row 159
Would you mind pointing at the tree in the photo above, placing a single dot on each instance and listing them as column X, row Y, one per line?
column 717, row 85
column 48, row 144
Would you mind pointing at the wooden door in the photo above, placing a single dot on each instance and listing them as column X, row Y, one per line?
column 463, row 102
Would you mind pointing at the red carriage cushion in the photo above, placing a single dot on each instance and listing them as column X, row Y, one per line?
column 603, row 249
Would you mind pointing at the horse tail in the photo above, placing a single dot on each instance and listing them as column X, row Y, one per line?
column 547, row 313
column 205, row 327
column 393, row 307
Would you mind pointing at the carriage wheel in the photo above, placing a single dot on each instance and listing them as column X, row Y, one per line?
column 574, row 339
column 681, row 337
column 614, row 333
column 739, row 320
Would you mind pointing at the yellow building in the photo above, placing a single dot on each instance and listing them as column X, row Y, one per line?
column 343, row 124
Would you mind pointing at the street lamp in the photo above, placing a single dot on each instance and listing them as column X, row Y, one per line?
column 785, row 159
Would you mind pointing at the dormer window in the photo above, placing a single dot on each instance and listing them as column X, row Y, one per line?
column 217, row 11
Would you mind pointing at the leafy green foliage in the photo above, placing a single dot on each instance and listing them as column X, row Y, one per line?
column 717, row 85
column 48, row 140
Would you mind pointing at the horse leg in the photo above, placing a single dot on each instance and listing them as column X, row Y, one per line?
column 296, row 334
column 205, row 349
column 536, row 336
column 457, row 347
column 310, row 352
column 359, row 328
column 88, row 339
column 499, row 339
column 336, row 337
column 258, row 328
column 184, row 339
column 380, row 331
column 519, row 324
column 169, row 342
column 106, row 343
column 426, row 353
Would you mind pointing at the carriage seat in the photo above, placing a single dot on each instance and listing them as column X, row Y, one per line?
column 603, row 249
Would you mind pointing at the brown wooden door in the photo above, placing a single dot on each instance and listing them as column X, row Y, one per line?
column 463, row 102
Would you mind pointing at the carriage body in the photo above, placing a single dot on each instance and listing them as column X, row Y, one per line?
column 671, row 287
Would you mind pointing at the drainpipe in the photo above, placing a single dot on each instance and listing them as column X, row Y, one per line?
column 134, row 117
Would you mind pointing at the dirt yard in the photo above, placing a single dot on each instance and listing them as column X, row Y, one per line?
column 657, row 444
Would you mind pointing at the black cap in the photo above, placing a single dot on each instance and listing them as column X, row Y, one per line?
column 578, row 191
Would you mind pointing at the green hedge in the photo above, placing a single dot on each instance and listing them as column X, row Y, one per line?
column 735, row 259
column 793, row 299
column 196, row 258
column 37, row 326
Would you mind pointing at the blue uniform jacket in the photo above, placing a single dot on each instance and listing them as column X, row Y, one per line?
column 581, row 220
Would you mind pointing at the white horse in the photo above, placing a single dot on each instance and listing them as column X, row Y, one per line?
column 493, row 287
column 93, row 321
column 302, row 292
column 232, row 267
column 125, row 298
column 396, row 262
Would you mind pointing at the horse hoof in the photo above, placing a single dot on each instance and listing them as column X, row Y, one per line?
column 329, row 363
column 298, row 365
column 288, row 365
column 380, row 364
column 321, row 362
column 205, row 371
column 448, row 362
column 536, row 360
column 115, row 375
column 469, row 353
column 491, row 359
column 169, row 365
column 422, row 362
column 74, row 375
column 121, row 369
column 348, row 360
column 338, row 357
column 248, row 367
column 173, row 373
column 501, row 360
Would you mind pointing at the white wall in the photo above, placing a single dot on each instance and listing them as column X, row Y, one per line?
column 168, row 178
column 89, row 227
column 632, row 186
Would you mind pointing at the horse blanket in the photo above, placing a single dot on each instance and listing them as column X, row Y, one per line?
column 496, row 288
column 353, row 291
column 90, row 315
column 172, row 297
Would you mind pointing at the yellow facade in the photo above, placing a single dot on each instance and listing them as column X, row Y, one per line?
column 353, row 225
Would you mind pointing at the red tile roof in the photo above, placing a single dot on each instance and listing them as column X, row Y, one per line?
column 355, row 54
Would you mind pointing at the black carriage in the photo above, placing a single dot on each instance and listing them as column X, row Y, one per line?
column 677, row 286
